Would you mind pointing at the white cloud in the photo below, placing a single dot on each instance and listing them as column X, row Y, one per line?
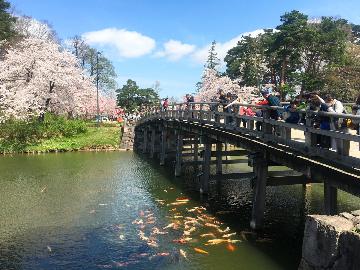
column 128, row 44
column 200, row 56
column 175, row 50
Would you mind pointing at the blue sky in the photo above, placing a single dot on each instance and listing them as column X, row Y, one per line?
column 166, row 40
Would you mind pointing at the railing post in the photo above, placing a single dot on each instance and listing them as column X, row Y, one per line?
column 267, row 128
column 310, row 138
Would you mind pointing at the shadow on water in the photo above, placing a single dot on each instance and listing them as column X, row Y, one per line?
column 75, row 211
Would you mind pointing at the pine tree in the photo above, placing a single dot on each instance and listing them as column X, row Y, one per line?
column 213, row 61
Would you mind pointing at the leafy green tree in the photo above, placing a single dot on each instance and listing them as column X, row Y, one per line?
column 6, row 21
column 95, row 64
column 213, row 60
column 131, row 96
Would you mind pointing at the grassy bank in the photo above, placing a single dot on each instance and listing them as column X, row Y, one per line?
column 57, row 134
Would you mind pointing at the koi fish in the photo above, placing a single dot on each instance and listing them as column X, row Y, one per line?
column 233, row 241
column 142, row 236
column 199, row 250
column 152, row 244
column 207, row 234
column 183, row 253
column 172, row 210
column 49, row 248
column 192, row 209
column 228, row 235
column 171, row 225
column 92, row 211
column 182, row 240
column 230, row 247
column 103, row 204
column 215, row 241
column 165, row 190
column 177, row 203
column 192, row 229
column 177, row 217
column 182, row 199
column 43, row 189
column 138, row 221
column 122, row 237
column 227, row 229
column 212, row 225
column 155, row 230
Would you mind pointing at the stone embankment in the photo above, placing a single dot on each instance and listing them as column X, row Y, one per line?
column 127, row 140
column 331, row 242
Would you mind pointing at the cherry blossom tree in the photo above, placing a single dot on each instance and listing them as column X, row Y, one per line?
column 30, row 27
column 212, row 82
column 36, row 76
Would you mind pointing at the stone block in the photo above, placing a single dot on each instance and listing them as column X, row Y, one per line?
column 349, row 251
column 346, row 215
column 320, row 244
column 356, row 213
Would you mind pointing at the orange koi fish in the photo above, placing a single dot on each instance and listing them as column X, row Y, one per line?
column 207, row 234
column 230, row 247
column 215, row 241
column 199, row 250
column 228, row 235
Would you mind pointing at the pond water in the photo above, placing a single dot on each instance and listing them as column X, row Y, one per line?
column 110, row 210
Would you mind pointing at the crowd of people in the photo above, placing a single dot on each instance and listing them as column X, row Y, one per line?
column 292, row 112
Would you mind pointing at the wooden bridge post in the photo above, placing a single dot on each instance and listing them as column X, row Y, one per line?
column 330, row 199
column 152, row 141
column 219, row 158
column 179, row 146
column 261, row 173
column 204, row 180
column 163, row 144
column 196, row 148
column 145, row 142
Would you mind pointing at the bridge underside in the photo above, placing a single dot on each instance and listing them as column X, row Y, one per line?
column 168, row 140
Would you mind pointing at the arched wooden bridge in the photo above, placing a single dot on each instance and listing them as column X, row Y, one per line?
column 207, row 128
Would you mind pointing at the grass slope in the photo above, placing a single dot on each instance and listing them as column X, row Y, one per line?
column 95, row 138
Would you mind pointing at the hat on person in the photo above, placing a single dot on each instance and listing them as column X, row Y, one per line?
column 266, row 91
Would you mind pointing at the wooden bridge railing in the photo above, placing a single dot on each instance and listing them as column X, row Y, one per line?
column 272, row 130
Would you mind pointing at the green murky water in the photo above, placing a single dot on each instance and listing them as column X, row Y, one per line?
column 76, row 211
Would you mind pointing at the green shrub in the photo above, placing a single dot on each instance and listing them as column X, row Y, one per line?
column 15, row 134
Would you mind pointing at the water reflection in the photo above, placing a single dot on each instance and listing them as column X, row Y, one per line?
column 75, row 211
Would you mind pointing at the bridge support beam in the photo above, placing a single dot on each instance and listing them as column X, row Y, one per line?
column 204, row 180
column 145, row 141
column 330, row 199
column 196, row 148
column 163, row 144
column 218, row 158
column 179, row 147
column 152, row 141
column 261, row 174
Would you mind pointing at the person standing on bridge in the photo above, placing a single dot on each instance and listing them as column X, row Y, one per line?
column 272, row 101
